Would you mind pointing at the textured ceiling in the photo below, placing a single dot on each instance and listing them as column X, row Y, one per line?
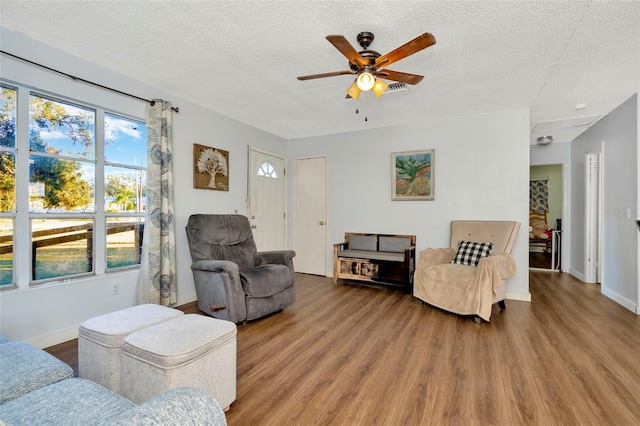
column 241, row 58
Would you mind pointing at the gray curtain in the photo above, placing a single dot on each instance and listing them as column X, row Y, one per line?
column 157, row 282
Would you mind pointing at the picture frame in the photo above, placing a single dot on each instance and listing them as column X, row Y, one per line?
column 210, row 168
column 412, row 175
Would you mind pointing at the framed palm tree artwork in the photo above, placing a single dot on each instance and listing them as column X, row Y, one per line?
column 412, row 175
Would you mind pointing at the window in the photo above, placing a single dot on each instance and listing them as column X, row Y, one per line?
column 267, row 170
column 84, row 188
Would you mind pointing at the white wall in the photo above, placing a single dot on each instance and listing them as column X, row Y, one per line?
column 481, row 172
column 50, row 314
column 618, row 133
column 559, row 153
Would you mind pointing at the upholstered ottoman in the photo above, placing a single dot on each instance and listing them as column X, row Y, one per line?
column 99, row 341
column 188, row 351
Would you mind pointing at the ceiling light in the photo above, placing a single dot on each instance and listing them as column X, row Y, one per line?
column 379, row 87
column 365, row 81
column 545, row 140
column 354, row 90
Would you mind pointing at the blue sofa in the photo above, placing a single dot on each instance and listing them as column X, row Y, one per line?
column 37, row 388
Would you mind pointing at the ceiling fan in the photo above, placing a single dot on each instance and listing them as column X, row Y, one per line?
column 367, row 64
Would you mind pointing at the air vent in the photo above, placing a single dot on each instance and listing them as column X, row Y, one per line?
column 395, row 88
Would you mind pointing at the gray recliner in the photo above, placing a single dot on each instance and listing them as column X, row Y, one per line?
column 233, row 280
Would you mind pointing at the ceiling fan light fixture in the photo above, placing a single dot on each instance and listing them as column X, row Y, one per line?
column 354, row 90
column 379, row 87
column 365, row 81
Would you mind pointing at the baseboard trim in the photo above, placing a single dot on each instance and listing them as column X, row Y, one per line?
column 54, row 338
column 577, row 274
column 523, row 297
column 72, row 333
column 630, row 305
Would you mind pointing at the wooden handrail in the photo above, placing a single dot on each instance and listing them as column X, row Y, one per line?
column 111, row 229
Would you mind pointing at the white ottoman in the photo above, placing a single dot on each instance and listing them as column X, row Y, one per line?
column 99, row 341
column 189, row 351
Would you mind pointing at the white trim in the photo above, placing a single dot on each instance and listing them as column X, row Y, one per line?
column 54, row 338
column 577, row 274
column 523, row 297
column 629, row 304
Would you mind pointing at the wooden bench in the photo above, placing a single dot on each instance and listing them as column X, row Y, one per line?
column 387, row 259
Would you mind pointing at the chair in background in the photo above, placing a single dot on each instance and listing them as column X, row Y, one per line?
column 233, row 280
column 468, row 277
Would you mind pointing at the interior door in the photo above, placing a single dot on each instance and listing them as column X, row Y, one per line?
column 267, row 199
column 593, row 217
column 310, row 215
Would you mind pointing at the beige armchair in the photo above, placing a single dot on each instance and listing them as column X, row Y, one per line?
column 463, row 288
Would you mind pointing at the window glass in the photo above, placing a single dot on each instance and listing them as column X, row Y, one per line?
column 124, row 241
column 125, row 141
column 7, row 149
column 61, row 247
column 124, row 189
column 60, row 128
column 6, row 251
column 267, row 170
column 60, row 185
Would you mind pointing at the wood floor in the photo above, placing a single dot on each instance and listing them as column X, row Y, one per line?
column 356, row 355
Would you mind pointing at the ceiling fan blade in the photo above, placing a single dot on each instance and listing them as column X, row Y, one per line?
column 326, row 74
column 417, row 44
column 341, row 43
column 402, row 77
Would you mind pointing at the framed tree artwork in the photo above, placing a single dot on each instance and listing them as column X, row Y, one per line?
column 210, row 168
column 412, row 176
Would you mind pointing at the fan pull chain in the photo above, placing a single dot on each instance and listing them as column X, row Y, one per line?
column 365, row 106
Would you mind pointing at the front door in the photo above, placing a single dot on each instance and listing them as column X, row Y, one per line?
column 267, row 199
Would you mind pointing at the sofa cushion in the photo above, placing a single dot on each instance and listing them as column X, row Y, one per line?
column 173, row 407
column 71, row 401
column 470, row 252
column 266, row 280
column 26, row 368
column 363, row 242
column 394, row 244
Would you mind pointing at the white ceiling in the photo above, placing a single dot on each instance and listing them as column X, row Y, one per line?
column 241, row 58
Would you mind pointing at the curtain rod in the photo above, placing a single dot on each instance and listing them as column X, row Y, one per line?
column 73, row 77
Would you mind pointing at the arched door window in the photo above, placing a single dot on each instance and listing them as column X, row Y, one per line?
column 267, row 170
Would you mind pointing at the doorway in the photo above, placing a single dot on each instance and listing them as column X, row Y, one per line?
column 310, row 215
column 546, row 200
column 267, row 199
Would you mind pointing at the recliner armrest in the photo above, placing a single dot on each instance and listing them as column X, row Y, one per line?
column 215, row 266
column 277, row 257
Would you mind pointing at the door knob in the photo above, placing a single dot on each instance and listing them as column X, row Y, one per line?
column 253, row 227
column 253, row 217
column 321, row 222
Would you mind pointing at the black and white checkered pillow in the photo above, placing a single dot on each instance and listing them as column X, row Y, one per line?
column 470, row 252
